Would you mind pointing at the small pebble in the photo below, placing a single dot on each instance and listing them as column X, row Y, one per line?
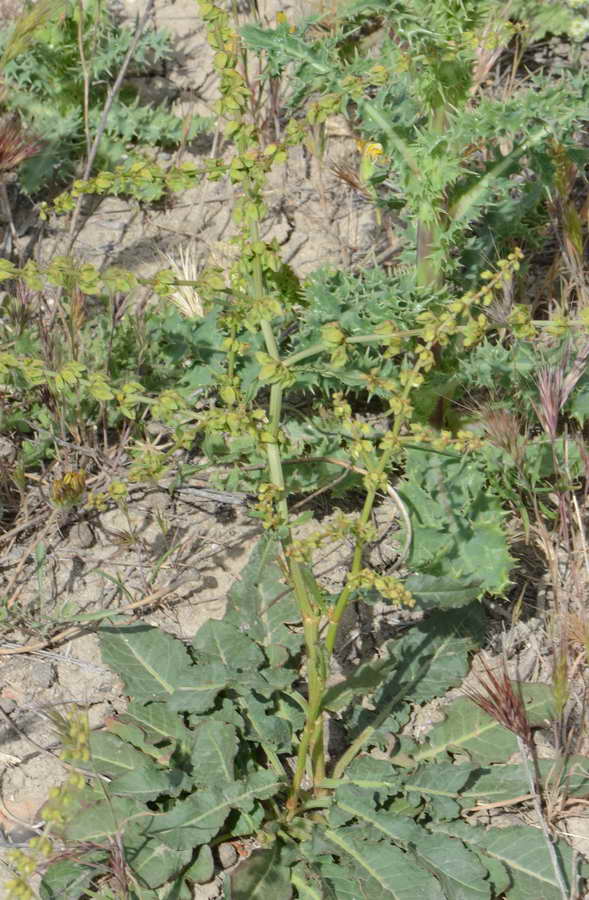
column 7, row 450
column 82, row 535
column 43, row 673
column 227, row 855
column 21, row 835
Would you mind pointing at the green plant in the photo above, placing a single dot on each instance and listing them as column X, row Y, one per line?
column 229, row 738
column 200, row 757
column 59, row 82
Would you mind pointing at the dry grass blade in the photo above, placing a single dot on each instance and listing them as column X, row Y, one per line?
column 186, row 267
column 15, row 144
column 26, row 27
column 497, row 696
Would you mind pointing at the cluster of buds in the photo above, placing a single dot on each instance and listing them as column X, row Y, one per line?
column 387, row 586
column 69, row 490
column 335, row 340
column 461, row 442
column 274, row 371
column 340, row 528
column 235, row 421
column 266, row 508
column 75, row 734
column 117, row 492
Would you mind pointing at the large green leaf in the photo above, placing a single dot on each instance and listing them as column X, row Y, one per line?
column 439, row 592
column 152, row 862
column 70, row 878
column 261, row 876
column 308, row 881
column 134, row 736
column 202, row 868
column 440, row 785
column 459, row 871
column 111, row 756
column 157, row 721
column 457, row 521
column 505, row 783
column 197, row 819
column 468, row 729
column 199, row 689
column 148, row 781
column 376, row 870
column 262, row 606
column 151, row 663
column 522, row 851
column 193, row 821
column 264, row 725
column 372, row 773
column 354, row 803
column 217, row 641
column 105, row 818
column 431, row 658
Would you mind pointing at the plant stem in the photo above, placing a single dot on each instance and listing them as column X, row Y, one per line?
column 312, row 737
column 529, row 766
column 344, row 597
column 321, row 347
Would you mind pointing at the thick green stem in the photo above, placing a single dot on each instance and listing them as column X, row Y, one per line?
column 321, row 347
column 430, row 232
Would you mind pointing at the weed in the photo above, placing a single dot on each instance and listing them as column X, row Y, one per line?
column 228, row 738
